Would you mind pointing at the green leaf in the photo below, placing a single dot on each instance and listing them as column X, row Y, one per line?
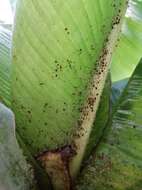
column 5, row 64
column 117, row 162
column 54, row 73
column 61, row 56
column 129, row 49
column 15, row 173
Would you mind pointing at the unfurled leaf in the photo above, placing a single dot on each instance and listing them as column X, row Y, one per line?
column 129, row 49
column 5, row 63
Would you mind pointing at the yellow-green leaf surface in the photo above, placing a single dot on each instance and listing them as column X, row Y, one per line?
column 15, row 173
column 56, row 47
column 129, row 48
column 117, row 164
column 5, row 45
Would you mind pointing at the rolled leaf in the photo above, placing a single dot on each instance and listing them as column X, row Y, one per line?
column 54, row 53
column 61, row 56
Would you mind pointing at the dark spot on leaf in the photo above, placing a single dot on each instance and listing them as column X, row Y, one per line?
column 29, row 111
column 41, row 83
column 64, row 109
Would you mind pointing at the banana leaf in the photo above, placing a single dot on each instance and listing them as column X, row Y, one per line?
column 117, row 165
column 129, row 49
column 5, row 64
column 55, row 48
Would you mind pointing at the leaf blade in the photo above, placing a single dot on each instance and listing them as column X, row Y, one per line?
column 68, row 84
column 5, row 64
column 128, row 52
